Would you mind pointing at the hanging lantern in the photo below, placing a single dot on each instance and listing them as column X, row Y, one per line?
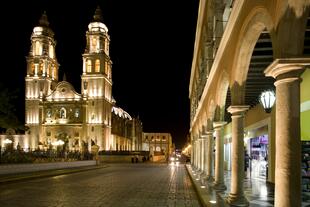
column 267, row 99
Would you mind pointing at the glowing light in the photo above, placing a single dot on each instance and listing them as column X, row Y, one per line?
column 121, row 113
column 7, row 141
column 263, row 191
column 203, row 186
column 58, row 142
column 38, row 30
column 267, row 99
column 212, row 201
column 97, row 26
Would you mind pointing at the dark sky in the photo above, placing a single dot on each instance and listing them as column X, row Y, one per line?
column 151, row 49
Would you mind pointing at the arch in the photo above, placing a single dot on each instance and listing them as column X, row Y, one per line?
column 63, row 113
column 38, row 48
column 89, row 66
column 211, row 109
column 97, row 66
column 257, row 20
column 221, row 96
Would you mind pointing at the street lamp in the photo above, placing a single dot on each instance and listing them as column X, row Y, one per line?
column 267, row 99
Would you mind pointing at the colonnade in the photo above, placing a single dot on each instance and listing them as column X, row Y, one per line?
column 287, row 171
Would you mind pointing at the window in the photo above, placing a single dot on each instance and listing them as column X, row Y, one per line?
column 85, row 85
column 32, row 68
column 94, row 43
column 38, row 48
column 49, row 113
column 106, row 68
column 77, row 113
column 51, row 51
column 62, row 113
column 97, row 66
column 89, row 66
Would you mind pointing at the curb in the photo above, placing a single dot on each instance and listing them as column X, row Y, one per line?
column 201, row 200
column 206, row 195
column 43, row 174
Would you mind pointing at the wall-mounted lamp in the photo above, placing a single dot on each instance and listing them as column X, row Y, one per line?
column 267, row 99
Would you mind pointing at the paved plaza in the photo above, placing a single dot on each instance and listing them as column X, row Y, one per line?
column 118, row 185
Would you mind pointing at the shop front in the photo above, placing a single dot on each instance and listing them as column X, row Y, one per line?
column 258, row 156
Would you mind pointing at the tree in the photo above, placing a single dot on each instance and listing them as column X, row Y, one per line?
column 8, row 118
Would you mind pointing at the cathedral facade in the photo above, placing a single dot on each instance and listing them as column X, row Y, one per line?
column 55, row 113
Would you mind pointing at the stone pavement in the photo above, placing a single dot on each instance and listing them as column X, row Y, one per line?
column 118, row 185
column 258, row 192
column 9, row 178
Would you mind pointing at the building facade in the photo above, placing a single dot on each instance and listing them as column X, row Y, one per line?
column 243, row 48
column 54, row 110
column 126, row 131
column 157, row 143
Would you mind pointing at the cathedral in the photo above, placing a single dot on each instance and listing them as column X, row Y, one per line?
column 55, row 113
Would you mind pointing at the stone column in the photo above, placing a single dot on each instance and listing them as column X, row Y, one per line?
column 288, row 145
column 209, row 155
column 202, row 154
column 196, row 154
column 219, row 157
column 199, row 155
column 236, row 196
column 192, row 152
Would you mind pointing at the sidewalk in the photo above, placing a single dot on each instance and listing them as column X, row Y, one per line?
column 46, row 173
column 258, row 192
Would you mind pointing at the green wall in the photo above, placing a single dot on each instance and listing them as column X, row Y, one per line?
column 305, row 105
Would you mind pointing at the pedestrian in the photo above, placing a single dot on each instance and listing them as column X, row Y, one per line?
column 137, row 159
column 247, row 159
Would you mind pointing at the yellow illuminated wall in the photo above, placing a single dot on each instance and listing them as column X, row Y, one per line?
column 305, row 105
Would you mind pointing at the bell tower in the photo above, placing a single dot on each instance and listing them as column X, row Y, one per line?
column 96, row 83
column 42, row 76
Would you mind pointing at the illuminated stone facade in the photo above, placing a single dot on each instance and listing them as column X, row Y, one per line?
column 158, row 143
column 238, row 46
column 126, row 131
column 54, row 110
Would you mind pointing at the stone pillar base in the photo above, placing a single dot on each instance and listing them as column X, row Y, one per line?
column 219, row 186
column 209, row 179
column 237, row 200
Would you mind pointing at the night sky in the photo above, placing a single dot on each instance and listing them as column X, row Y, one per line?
column 151, row 50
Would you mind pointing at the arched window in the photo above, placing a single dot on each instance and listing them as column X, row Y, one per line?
column 62, row 114
column 94, row 43
column 97, row 66
column 51, row 51
column 89, row 66
column 106, row 68
column 77, row 113
column 49, row 113
column 38, row 48
column 32, row 68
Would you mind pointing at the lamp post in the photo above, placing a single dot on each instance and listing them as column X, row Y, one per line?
column 267, row 99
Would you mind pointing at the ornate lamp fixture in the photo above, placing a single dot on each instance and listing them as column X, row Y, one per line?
column 267, row 99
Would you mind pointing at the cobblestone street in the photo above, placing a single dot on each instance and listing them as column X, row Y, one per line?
column 117, row 185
